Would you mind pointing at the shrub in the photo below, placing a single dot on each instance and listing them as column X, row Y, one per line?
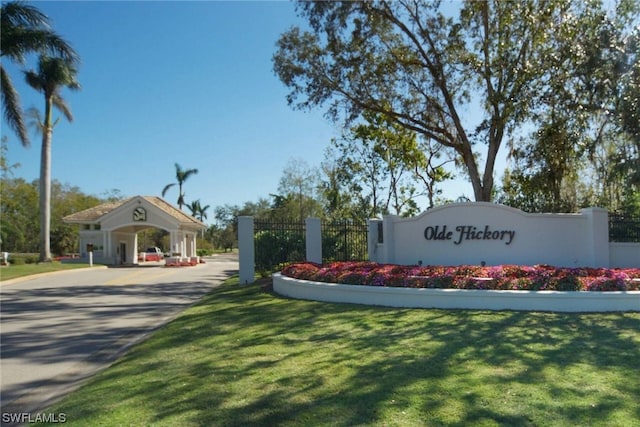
column 23, row 258
column 16, row 260
column 275, row 247
column 566, row 282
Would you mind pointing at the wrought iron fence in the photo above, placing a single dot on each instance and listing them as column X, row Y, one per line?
column 344, row 241
column 624, row 228
column 280, row 242
column 277, row 243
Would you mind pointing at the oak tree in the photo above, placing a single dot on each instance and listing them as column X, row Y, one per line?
column 430, row 67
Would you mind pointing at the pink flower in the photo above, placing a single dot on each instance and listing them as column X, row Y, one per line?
column 514, row 277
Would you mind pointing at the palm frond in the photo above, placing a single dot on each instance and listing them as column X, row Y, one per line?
column 15, row 13
column 62, row 106
column 24, row 29
column 35, row 120
column 34, row 80
column 189, row 172
column 166, row 188
column 12, row 109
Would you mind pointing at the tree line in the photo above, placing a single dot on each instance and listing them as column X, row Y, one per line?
column 19, row 204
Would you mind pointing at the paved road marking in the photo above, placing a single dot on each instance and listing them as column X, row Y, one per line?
column 130, row 279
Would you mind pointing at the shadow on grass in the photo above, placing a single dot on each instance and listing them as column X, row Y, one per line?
column 56, row 335
column 243, row 356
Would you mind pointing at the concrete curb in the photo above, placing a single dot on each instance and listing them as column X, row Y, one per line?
column 553, row 301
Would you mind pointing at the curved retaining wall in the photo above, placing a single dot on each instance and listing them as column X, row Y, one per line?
column 458, row 298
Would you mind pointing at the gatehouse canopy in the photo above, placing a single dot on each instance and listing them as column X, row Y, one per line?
column 111, row 228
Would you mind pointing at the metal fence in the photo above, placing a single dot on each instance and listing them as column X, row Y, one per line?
column 277, row 243
column 344, row 241
column 280, row 242
column 624, row 228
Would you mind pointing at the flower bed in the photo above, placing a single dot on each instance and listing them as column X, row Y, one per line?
column 183, row 261
column 502, row 277
column 181, row 264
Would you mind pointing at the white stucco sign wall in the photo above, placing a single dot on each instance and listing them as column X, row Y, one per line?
column 473, row 233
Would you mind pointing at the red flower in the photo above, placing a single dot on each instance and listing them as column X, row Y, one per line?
column 513, row 277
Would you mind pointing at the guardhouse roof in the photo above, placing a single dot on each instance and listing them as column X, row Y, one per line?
column 96, row 214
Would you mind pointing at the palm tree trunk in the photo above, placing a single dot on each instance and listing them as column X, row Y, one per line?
column 180, row 195
column 45, row 185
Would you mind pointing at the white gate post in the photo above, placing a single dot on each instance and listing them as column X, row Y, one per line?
column 313, row 240
column 246, row 249
column 389, row 245
column 374, row 239
column 597, row 235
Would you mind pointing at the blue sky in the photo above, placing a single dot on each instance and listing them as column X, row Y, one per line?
column 176, row 82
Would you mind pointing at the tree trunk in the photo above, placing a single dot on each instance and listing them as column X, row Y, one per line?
column 479, row 190
column 45, row 186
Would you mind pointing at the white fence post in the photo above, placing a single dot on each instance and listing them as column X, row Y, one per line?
column 388, row 252
column 373, row 239
column 598, row 235
column 313, row 240
column 246, row 249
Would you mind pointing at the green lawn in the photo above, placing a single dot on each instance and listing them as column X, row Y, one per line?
column 15, row 271
column 245, row 357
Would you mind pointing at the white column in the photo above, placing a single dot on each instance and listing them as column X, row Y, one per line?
column 373, row 240
column 313, row 240
column 172, row 242
column 597, row 235
column 177, row 243
column 135, row 248
column 106, row 250
column 193, row 245
column 388, row 252
column 246, row 249
column 109, row 247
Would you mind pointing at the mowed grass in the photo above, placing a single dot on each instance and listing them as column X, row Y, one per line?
column 15, row 271
column 246, row 357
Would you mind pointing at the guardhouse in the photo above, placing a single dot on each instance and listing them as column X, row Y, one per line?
column 110, row 229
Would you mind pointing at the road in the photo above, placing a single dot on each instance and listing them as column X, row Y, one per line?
column 58, row 330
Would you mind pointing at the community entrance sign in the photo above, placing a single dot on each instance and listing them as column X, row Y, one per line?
column 468, row 232
column 491, row 234
column 474, row 233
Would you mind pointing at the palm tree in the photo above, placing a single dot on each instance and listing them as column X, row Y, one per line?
column 52, row 75
column 202, row 213
column 23, row 30
column 198, row 211
column 181, row 177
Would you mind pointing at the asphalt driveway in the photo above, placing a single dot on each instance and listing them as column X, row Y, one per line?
column 58, row 330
